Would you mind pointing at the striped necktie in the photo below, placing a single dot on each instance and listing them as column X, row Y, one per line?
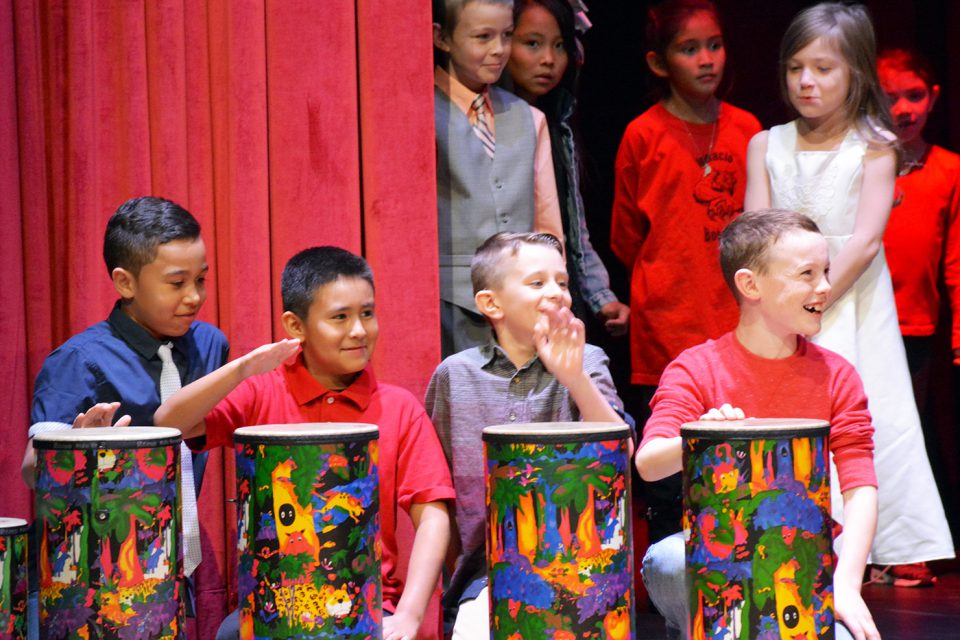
column 481, row 127
column 170, row 384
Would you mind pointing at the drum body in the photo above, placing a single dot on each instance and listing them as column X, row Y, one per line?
column 559, row 539
column 756, row 497
column 13, row 578
column 308, row 534
column 108, row 517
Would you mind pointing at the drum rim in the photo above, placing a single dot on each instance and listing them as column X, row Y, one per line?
column 94, row 438
column 572, row 432
column 366, row 433
column 17, row 526
column 756, row 428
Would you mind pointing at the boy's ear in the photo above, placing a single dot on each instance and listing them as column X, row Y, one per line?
column 440, row 40
column 293, row 325
column 487, row 303
column 746, row 281
column 656, row 64
column 124, row 282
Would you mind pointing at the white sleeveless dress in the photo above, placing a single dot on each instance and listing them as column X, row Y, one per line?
column 862, row 327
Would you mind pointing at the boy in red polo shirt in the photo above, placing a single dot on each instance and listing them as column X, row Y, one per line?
column 328, row 302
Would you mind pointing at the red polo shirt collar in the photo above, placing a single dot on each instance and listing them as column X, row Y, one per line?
column 306, row 389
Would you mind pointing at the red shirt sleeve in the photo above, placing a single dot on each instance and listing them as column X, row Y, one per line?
column 851, row 431
column 422, row 472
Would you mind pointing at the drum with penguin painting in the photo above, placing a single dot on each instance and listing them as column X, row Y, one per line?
column 756, row 497
column 559, row 539
column 13, row 578
column 108, row 518
column 308, row 534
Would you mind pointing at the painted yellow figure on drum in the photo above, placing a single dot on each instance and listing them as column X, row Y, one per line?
column 295, row 527
column 796, row 620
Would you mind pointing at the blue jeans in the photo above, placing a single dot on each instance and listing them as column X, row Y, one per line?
column 664, row 575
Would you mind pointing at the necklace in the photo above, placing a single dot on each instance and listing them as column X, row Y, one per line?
column 910, row 165
column 707, row 169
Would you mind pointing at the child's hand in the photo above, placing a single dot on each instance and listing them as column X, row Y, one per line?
column 560, row 337
column 400, row 626
column 853, row 611
column 725, row 412
column 100, row 415
column 616, row 317
column 268, row 357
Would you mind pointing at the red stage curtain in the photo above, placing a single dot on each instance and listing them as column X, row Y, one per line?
column 280, row 124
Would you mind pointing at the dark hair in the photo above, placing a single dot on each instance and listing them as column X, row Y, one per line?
column 562, row 12
column 745, row 242
column 139, row 226
column 908, row 60
column 665, row 20
column 849, row 29
column 312, row 268
column 486, row 268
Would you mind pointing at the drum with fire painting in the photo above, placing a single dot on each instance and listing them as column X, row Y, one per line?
column 13, row 578
column 308, row 535
column 559, row 540
column 108, row 518
column 756, row 496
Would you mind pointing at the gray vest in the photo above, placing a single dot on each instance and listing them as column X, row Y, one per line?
column 477, row 196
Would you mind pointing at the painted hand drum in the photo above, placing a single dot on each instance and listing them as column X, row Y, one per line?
column 559, row 539
column 308, row 536
column 108, row 517
column 13, row 578
column 756, row 498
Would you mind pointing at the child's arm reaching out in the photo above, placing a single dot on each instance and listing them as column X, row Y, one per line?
column 859, row 525
column 662, row 457
column 432, row 524
column 560, row 339
column 99, row 415
column 187, row 408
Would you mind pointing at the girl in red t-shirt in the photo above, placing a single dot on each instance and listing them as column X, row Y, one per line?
column 680, row 177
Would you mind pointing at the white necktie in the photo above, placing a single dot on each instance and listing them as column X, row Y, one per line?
column 482, row 127
column 170, row 384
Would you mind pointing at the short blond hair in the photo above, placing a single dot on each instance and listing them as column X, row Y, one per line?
column 487, row 269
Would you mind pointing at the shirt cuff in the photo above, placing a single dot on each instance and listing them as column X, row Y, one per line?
column 600, row 299
column 45, row 427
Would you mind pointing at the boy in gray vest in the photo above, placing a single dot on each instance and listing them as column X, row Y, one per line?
column 494, row 164
column 535, row 368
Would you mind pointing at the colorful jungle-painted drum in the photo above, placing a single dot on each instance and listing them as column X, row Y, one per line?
column 308, row 533
column 108, row 518
column 559, row 539
column 13, row 578
column 756, row 497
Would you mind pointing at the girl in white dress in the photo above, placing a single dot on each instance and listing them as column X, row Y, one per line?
column 837, row 163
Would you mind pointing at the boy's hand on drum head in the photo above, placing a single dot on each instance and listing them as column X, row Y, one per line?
column 100, row 415
column 725, row 412
column 268, row 357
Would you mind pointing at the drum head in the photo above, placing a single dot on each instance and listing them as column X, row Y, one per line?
column 108, row 438
column 754, row 428
column 555, row 432
column 307, row 433
column 13, row 526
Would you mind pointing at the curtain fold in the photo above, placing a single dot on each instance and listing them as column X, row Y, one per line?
column 267, row 119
